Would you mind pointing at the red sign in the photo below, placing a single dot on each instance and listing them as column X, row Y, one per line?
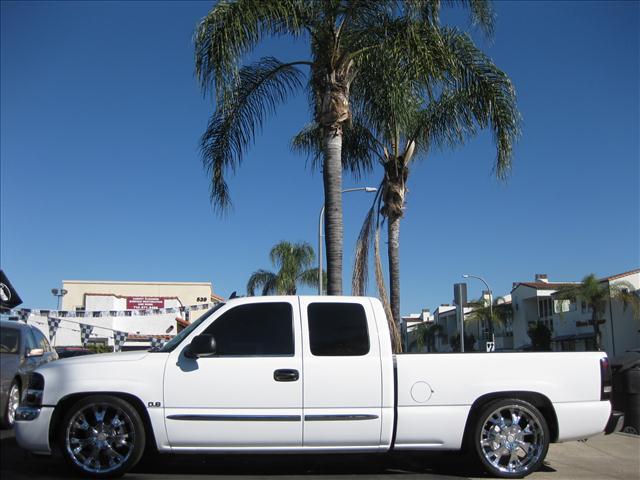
column 142, row 303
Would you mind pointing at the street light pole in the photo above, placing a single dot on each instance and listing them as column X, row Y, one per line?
column 320, row 234
column 59, row 292
column 493, row 338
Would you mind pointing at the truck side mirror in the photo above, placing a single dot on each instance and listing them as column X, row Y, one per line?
column 35, row 352
column 201, row 346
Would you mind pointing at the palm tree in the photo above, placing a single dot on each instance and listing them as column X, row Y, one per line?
column 292, row 261
column 426, row 335
column 399, row 116
column 596, row 293
column 499, row 314
column 343, row 34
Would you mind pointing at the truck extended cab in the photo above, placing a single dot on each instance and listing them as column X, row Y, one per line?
column 310, row 374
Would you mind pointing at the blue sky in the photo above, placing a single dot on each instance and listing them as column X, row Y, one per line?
column 101, row 177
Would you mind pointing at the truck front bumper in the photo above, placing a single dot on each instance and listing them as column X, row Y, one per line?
column 616, row 419
column 32, row 429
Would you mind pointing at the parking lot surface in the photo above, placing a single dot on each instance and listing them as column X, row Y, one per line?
column 612, row 457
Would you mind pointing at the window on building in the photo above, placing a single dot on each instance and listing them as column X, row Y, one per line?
column 259, row 329
column 338, row 329
column 545, row 307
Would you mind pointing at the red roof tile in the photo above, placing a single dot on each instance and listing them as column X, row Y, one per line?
column 620, row 275
column 544, row 285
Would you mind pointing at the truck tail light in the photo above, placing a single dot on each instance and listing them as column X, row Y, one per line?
column 605, row 379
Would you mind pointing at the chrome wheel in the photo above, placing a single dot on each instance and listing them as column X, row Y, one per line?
column 513, row 439
column 100, row 438
column 13, row 403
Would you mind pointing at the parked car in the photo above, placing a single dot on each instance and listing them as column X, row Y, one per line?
column 23, row 348
column 67, row 352
column 310, row 374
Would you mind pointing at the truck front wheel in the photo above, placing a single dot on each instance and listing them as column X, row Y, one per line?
column 102, row 436
column 511, row 438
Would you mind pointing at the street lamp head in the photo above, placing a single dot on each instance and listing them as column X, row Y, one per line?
column 54, row 291
column 64, row 292
column 370, row 189
column 464, row 275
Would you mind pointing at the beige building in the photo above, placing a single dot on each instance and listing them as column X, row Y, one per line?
column 108, row 295
column 142, row 310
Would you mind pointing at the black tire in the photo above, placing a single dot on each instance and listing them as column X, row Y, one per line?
column 102, row 436
column 8, row 416
column 510, row 438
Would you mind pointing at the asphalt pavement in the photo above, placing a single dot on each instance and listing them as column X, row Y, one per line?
column 615, row 456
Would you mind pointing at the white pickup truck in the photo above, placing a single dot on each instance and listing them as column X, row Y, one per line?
column 310, row 374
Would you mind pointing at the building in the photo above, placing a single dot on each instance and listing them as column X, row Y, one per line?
column 531, row 303
column 446, row 319
column 570, row 322
column 108, row 295
column 409, row 329
column 143, row 312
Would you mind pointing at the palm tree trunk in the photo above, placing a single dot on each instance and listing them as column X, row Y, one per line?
column 332, row 177
column 596, row 327
column 393, row 252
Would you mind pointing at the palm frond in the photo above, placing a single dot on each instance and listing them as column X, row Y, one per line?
column 232, row 128
column 396, row 340
column 492, row 96
column 626, row 293
column 480, row 11
column 359, row 147
column 291, row 259
column 360, row 276
column 447, row 121
column 233, row 28
column 292, row 256
column 310, row 278
column 261, row 279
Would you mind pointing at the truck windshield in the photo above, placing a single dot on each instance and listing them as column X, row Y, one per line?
column 175, row 341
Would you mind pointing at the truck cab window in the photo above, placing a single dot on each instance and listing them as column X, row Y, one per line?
column 338, row 329
column 259, row 329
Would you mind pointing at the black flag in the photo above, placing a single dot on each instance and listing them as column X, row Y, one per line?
column 9, row 298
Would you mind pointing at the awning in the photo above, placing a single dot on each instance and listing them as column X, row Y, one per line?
column 577, row 336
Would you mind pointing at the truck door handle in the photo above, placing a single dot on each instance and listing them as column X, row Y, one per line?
column 286, row 375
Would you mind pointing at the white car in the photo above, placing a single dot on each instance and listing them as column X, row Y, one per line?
column 310, row 374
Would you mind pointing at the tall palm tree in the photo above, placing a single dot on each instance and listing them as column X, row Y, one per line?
column 596, row 294
column 401, row 114
column 342, row 35
column 292, row 261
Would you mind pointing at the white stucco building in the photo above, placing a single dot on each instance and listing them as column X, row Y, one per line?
column 571, row 328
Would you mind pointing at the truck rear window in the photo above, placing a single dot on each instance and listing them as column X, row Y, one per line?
column 338, row 329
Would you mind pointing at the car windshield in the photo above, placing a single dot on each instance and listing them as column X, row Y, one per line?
column 9, row 340
column 175, row 341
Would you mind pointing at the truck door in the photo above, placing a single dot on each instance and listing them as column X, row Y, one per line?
column 249, row 394
column 342, row 374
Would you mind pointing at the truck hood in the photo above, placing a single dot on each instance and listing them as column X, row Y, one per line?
column 105, row 358
column 139, row 373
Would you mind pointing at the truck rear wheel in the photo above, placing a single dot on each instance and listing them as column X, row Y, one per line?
column 102, row 436
column 511, row 438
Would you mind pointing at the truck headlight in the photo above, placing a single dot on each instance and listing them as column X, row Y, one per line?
column 35, row 389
